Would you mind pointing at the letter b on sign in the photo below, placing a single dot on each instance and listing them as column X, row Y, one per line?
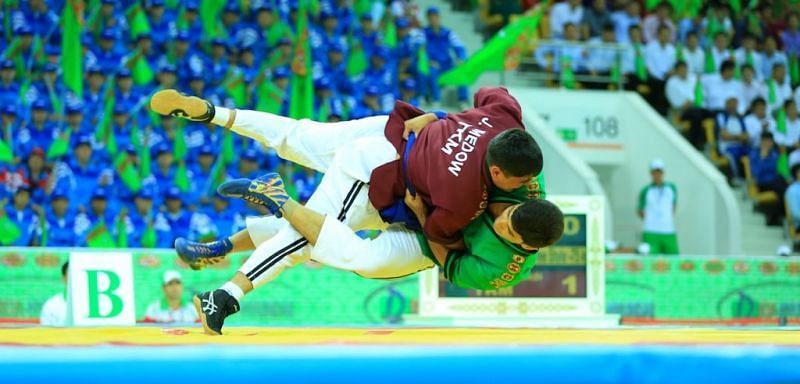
column 101, row 289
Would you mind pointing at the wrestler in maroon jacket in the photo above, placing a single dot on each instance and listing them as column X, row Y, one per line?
column 448, row 165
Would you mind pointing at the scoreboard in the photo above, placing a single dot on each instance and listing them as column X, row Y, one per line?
column 566, row 282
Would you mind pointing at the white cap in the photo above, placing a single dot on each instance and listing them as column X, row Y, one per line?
column 657, row 164
column 643, row 249
column 783, row 250
column 171, row 275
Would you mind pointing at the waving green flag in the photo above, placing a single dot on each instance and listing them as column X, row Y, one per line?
column 71, row 49
column 60, row 146
column 302, row 99
column 9, row 232
column 99, row 237
column 6, row 153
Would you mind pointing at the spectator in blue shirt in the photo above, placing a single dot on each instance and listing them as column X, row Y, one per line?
column 60, row 222
column 9, row 88
column 111, row 18
column 226, row 221
column 334, row 67
column 122, row 127
column 367, row 36
column 370, row 104
column 142, row 217
column 439, row 42
column 326, row 100
column 86, row 171
column 380, row 72
column 39, row 16
column 232, row 22
column 305, row 183
column 98, row 214
column 76, row 122
column 109, row 56
column 202, row 177
column 164, row 170
column 178, row 219
column 49, row 82
column 94, row 97
column 126, row 93
column 408, row 92
column 194, row 25
column 167, row 77
column 162, row 24
column 764, row 167
column 217, row 64
column 23, row 216
column 326, row 35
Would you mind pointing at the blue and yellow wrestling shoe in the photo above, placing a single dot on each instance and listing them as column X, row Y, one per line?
column 201, row 255
column 213, row 307
column 266, row 191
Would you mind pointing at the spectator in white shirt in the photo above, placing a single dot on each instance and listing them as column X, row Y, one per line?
column 797, row 97
column 602, row 59
column 693, row 54
column 680, row 92
column 654, row 22
column 719, row 87
column 172, row 308
column 595, row 19
column 747, row 54
column 789, row 139
column 660, row 60
column 570, row 11
column 778, row 89
column 771, row 57
column 732, row 135
column 625, row 19
column 751, row 87
column 54, row 310
column 758, row 121
column 721, row 49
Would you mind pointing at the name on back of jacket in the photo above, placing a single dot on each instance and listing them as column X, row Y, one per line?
column 461, row 143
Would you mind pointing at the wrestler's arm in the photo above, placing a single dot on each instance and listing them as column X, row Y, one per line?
column 421, row 212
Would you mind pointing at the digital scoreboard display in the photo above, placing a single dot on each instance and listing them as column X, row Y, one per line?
column 560, row 270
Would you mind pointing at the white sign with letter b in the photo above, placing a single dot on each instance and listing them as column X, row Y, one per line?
column 100, row 289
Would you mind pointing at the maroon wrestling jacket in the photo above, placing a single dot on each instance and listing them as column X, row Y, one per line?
column 446, row 165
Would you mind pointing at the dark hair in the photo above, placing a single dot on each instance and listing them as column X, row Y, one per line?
column 748, row 66
column 795, row 168
column 727, row 65
column 680, row 64
column 758, row 100
column 64, row 268
column 539, row 222
column 767, row 135
column 516, row 153
column 788, row 103
column 690, row 34
column 608, row 27
column 662, row 27
column 634, row 27
column 778, row 64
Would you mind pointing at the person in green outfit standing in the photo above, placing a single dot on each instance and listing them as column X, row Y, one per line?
column 657, row 202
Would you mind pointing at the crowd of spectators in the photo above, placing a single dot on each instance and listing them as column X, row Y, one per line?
column 63, row 182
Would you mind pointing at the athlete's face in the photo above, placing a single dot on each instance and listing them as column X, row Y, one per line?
column 504, row 228
column 506, row 182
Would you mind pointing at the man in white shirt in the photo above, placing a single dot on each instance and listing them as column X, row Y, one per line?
column 720, row 51
column 732, row 135
column 657, row 203
column 797, row 97
column 790, row 138
column 693, row 54
column 758, row 121
column 602, row 59
column 719, row 87
column 747, row 54
column 659, row 59
column 54, row 310
column 778, row 89
column 653, row 22
column 173, row 308
column 680, row 92
column 771, row 57
column 751, row 87
column 570, row 11
column 625, row 19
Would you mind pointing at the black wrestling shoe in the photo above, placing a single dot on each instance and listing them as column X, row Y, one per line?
column 213, row 307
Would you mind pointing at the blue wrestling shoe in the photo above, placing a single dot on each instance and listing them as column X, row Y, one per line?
column 266, row 191
column 213, row 307
column 201, row 255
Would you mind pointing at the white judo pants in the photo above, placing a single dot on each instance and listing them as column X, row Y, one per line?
column 346, row 152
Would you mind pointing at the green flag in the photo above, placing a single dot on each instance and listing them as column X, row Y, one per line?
column 390, row 33
column 9, row 232
column 60, row 146
column 6, row 153
column 492, row 57
column 228, row 153
column 181, row 179
column 302, row 99
column 149, row 236
column 44, row 230
column 179, row 149
column 127, row 172
column 357, row 61
column 142, row 72
column 270, row 97
column 423, row 62
column 567, row 76
column 638, row 62
column 699, row 97
column 103, row 130
column 237, row 90
column 139, row 24
column 710, row 66
column 71, row 50
column 99, row 237
column 794, row 69
column 209, row 14
column 145, row 162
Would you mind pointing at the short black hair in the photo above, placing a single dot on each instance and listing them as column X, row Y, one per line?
column 680, row 64
column 727, row 65
column 767, row 135
column 539, row 222
column 788, row 103
column 757, row 101
column 516, row 153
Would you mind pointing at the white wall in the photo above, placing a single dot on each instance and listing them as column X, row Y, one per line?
column 618, row 134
